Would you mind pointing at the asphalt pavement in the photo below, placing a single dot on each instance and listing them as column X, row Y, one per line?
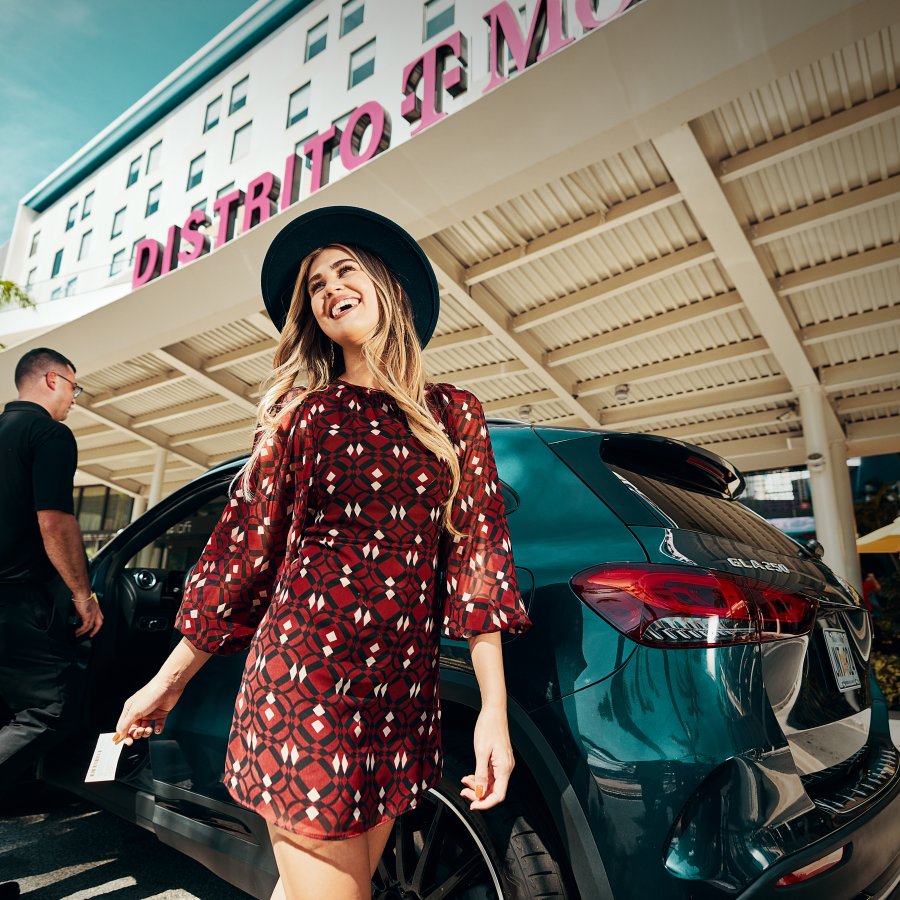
column 60, row 848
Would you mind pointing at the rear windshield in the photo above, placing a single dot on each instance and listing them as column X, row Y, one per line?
column 711, row 515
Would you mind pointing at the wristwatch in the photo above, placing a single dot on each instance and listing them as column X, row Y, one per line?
column 93, row 598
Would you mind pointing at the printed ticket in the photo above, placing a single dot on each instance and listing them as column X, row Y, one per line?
column 105, row 758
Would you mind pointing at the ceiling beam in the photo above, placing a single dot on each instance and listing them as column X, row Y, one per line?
column 590, row 226
column 483, row 306
column 102, row 476
column 111, row 451
column 839, row 269
column 740, row 448
column 868, row 401
column 706, row 401
column 872, row 438
column 680, row 365
column 677, row 261
column 649, row 327
column 859, row 323
column 153, row 438
column 147, row 470
column 493, row 406
column 181, row 357
column 138, row 387
column 863, row 115
column 865, row 371
column 202, row 434
column 823, row 212
column 457, row 339
column 204, row 404
column 265, row 347
column 731, row 423
column 262, row 321
column 684, row 158
column 484, row 373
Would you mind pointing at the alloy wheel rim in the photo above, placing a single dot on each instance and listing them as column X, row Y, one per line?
column 434, row 853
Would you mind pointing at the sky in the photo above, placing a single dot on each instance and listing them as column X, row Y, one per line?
column 70, row 67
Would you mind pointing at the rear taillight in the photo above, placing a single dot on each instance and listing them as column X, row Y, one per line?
column 819, row 867
column 686, row 607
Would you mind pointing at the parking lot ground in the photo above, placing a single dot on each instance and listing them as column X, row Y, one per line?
column 60, row 848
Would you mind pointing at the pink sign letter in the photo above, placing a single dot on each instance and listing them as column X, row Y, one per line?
column 319, row 149
column 199, row 242
column 503, row 25
column 226, row 209
column 262, row 194
column 430, row 70
column 369, row 114
column 146, row 262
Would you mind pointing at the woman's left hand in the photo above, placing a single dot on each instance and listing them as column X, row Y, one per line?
column 493, row 761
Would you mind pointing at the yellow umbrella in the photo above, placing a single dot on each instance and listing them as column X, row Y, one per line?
column 882, row 540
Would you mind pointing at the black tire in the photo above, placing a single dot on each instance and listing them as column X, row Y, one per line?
column 499, row 855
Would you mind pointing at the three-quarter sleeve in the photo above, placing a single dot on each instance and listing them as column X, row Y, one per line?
column 481, row 590
column 234, row 579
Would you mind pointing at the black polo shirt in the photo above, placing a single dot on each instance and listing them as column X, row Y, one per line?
column 38, row 457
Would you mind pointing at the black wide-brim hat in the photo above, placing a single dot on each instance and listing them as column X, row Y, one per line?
column 355, row 227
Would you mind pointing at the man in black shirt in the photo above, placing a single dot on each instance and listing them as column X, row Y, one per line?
column 43, row 568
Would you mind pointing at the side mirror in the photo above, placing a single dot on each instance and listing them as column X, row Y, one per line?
column 813, row 547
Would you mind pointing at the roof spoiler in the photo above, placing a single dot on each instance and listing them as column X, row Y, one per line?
column 673, row 462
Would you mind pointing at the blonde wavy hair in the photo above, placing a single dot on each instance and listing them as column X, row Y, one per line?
column 393, row 357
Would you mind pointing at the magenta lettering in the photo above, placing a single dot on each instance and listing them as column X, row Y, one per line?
column 371, row 117
column 586, row 12
column 170, row 253
column 191, row 234
column 146, row 262
column 319, row 149
column 226, row 209
column 262, row 194
column 503, row 26
column 430, row 71
column 293, row 167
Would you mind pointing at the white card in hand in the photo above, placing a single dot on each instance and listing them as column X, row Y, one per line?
column 105, row 758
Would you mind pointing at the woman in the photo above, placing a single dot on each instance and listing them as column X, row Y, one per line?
column 361, row 488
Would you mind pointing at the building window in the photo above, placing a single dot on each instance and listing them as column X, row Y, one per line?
column 88, row 205
column 298, row 105
column 240, row 146
column 351, row 15
column 85, row 247
column 134, row 248
column 57, row 264
column 56, row 293
column 213, row 111
column 195, row 171
column 29, row 281
column 239, row 95
column 316, row 38
column 34, row 243
column 70, row 287
column 117, row 223
column 134, row 170
column 200, row 204
column 73, row 214
column 222, row 191
column 153, row 156
column 439, row 14
column 153, row 199
column 362, row 63
column 118, row 261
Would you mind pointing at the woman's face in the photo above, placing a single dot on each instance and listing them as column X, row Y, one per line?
column 342, row 297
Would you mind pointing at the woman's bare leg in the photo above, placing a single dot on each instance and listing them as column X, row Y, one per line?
column 311, row 869
column 278, row 893
column 378, row 838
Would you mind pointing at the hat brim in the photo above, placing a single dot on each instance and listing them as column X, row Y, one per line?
column 361, row 228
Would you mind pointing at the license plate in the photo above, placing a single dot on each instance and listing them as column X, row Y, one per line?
column 841, row 659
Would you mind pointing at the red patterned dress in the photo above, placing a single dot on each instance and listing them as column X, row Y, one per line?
column 329, row 575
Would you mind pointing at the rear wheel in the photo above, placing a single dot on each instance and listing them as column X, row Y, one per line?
column 442, row 849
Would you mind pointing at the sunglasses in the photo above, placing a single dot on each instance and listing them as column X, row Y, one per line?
column 76, row 388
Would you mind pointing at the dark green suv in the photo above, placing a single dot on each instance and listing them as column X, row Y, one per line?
column 692, row 711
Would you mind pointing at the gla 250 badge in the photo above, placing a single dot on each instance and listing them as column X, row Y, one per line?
column 756, row 564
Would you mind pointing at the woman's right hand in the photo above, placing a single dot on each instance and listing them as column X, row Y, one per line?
column 145, row 712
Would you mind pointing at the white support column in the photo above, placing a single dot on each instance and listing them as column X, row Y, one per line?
column 826, row 459
column 159, row 473
column 137, row 509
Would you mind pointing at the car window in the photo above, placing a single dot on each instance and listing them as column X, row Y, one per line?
column 181, row 544
column 713, row 515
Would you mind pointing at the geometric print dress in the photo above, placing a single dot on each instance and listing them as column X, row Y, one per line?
column 338, row 576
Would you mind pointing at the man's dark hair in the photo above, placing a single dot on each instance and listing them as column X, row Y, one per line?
column 37, row 362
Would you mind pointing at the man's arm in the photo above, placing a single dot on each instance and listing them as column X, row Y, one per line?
column 62, row 541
